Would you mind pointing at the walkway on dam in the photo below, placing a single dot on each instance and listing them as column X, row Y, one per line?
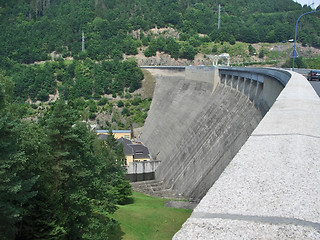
column 271, row 188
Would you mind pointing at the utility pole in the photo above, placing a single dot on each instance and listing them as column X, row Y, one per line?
column 295, row 37
column 312, row 5
column 83, row 48
column 219, row 20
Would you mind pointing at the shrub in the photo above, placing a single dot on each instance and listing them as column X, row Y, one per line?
column 120, row 104
column 92, row 116
column 102, row 101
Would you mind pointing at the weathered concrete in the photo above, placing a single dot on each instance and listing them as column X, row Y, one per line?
column 209, row 143
column 203, row 74
column 261, row 85
column 176, row 103
column 180, row 204
column 195, row 132
column 154, row 188
column 270, row 190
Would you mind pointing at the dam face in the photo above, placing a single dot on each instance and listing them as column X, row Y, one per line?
column 195, row 128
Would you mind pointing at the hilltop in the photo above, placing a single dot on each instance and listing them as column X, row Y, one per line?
column 33, row 29
column 43, row 51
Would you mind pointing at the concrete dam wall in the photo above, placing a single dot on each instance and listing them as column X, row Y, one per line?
column 196, row 127
column 270, row 189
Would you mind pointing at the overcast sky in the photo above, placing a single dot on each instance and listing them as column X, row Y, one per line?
column 309, row 2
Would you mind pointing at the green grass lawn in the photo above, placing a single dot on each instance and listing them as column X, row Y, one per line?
column 147, row 218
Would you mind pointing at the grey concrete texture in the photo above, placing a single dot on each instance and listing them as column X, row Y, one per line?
column 195, row 132
column 203, row 74
column 208, row 145
column 154, row 188
column 172, row 95
column 270, row 190
column 180, row 204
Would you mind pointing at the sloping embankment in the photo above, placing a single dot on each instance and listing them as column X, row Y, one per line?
column 195, row 132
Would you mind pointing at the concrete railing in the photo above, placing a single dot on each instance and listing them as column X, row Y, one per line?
column 270, row 189
column 261, row 85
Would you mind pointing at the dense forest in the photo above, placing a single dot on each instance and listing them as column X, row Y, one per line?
column 57, row 181
column 31, row 29
column 41, row 30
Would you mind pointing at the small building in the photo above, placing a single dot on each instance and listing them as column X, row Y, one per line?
column 134, row 152
column 116, row 133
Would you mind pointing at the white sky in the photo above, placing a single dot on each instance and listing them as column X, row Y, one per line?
column 309, row 2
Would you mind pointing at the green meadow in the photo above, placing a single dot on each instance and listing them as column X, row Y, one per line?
column 148, row 218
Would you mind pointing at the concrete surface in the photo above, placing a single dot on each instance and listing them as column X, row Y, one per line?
column 180, row 204
column 154, row 188
column 193, row 131
column 316, row 86
column 271, row 188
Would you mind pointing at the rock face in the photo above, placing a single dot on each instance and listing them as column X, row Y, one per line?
column 195, row 131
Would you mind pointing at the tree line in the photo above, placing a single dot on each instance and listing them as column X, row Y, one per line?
column 74, row 79
column 31, row 29
column 57, row 181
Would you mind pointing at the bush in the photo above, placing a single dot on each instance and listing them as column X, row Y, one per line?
column 102, row 101
column 96, row 96
column 43, row 95
column 125, row 112
column 92, row 116
column 34, row 106
column 120, row 104
column 136, row 101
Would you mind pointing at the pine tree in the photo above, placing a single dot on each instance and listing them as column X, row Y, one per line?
column 15, row 183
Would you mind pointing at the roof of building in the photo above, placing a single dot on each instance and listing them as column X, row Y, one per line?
column 114, row 131
column 140, row 151
column 102, row 137
column 127, row 149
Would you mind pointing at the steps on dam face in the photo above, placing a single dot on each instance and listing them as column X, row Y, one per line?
column 154, row 188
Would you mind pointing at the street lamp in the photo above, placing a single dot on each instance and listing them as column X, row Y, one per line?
column 295, row 36
column 290, row 40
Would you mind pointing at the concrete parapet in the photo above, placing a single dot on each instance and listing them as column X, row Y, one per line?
column 270, row 189
column 203, row 74
column 261, row 85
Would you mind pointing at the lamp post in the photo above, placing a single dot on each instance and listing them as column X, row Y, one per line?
column 295, row 36
column 290, row 40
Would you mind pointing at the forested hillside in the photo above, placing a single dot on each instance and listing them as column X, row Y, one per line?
column 42, row 30
column 57, row 181
column 31, row 29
